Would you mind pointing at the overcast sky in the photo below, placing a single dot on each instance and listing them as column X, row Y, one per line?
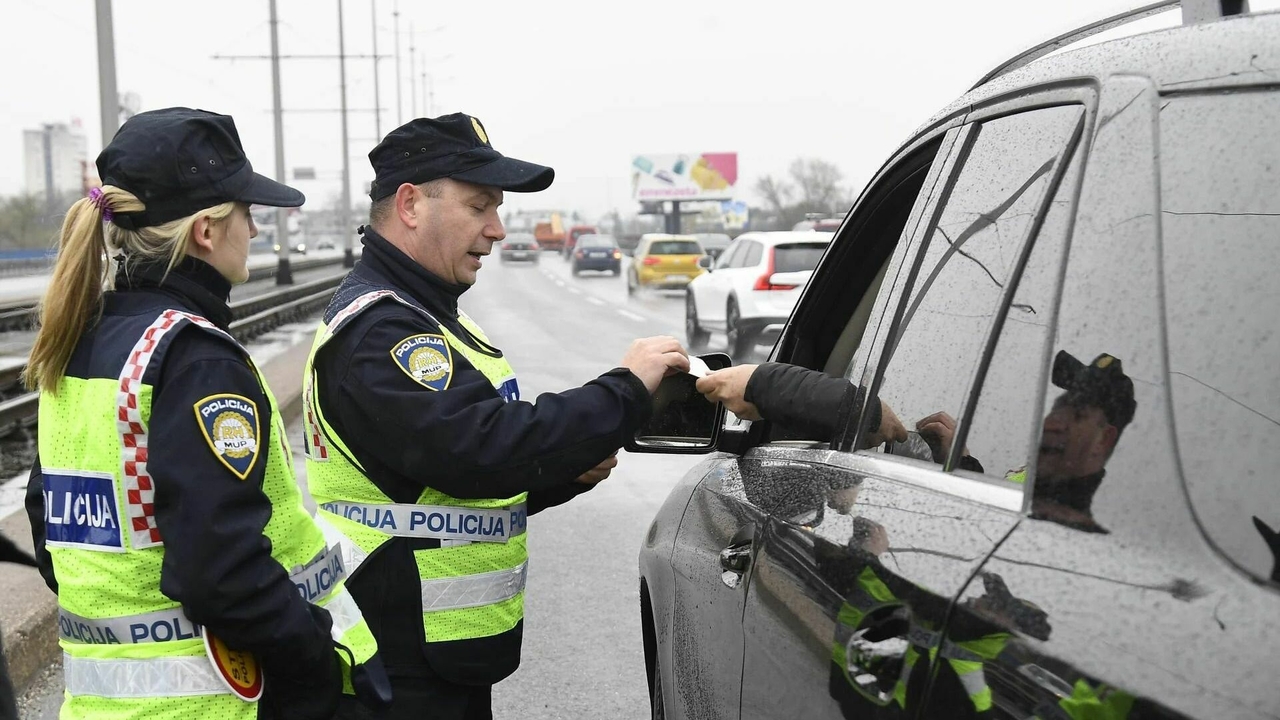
column 580, row 86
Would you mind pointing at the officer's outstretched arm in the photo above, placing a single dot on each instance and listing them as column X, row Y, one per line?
column 451, row 430
column 209, row 442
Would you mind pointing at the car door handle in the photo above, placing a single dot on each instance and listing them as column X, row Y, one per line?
column 875, row 651
column 736, row 558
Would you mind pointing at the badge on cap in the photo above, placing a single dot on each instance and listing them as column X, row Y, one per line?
column 230, row 426
column 479, row 131
column 238, row 670
column 425, row 358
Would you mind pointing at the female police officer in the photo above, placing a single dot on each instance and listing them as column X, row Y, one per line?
column 191, row 581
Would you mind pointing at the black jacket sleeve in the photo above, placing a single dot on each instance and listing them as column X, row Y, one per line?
column 806, row 402
column 34, row 502
column 466, row 440
column 217, row 560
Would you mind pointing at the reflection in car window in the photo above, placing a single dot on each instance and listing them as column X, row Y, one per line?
column 1006, row 418
column 1221, row 221
column 965, row 266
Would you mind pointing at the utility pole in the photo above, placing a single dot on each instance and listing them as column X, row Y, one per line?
column 377, row 97
column 108, row 98
column 284, row 274
column 413, row 87
column 399, row 107
column 344, row 217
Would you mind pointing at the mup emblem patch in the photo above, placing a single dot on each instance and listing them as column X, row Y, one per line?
column 425, row 358
column 230, row 426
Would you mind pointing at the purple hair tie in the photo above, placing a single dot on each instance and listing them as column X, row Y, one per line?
column 100, row 201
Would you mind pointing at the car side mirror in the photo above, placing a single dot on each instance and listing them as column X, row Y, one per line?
column 683, row 421
column 705, row 262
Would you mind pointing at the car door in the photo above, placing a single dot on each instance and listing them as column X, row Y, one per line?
column 714, row 287
column 1143, row 584
column 849, row 600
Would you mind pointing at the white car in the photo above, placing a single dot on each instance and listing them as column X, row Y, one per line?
column 751, row 288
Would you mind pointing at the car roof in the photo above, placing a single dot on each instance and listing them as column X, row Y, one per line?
column 1232, row 52
column 788, row 236
column 667, row 236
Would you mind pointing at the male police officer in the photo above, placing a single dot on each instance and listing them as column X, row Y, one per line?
column 420, row 451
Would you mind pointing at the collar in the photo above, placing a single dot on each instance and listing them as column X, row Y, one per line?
column 1075, row 493
column 425, row 287
column 194, row 282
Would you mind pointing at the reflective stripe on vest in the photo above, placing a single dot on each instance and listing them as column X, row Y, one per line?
column 142, row 677
column 469, row 591
column 440, row 522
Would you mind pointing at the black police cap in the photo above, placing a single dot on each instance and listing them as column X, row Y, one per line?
column 1101, row 384
column 454, row 146
column 178, row 161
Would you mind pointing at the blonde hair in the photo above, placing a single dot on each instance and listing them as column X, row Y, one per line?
column 74, row 294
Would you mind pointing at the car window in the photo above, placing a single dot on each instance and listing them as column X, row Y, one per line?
column 596, row 241
column 795, row 257
column 740, row 256
column 970, row 254
column 753, row 254
column 675, row 247
column 727, row 257
column 1221, row 228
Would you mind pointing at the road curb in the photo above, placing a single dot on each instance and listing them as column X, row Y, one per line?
column 29, row 613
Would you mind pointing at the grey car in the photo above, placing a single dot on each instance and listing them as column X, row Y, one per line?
column 1075, row 264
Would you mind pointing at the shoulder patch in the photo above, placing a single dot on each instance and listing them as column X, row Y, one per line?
column 230, row 426
column 425, row 358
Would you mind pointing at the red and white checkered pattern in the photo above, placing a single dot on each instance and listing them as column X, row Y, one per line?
column 139, row 489
column 317, row 448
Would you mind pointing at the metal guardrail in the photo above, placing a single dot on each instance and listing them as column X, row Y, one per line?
column 22, row 316
column 254, row 317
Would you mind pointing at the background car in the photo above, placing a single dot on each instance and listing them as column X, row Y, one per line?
column 596, row 252
column 820, row 224
column 664, row 261
column 753, row 286
column 1074, row 263
column 713, row 243
column 572, row 235
column 519, row 246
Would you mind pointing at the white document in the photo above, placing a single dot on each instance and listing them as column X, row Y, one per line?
column 697, row 367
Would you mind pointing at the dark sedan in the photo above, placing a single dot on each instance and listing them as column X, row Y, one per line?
column 519, row 246
column 596, row 252
column 1064, row 286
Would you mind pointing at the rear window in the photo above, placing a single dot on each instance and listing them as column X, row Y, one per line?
column 675, row 247
column 596, row 241
column 797, row 257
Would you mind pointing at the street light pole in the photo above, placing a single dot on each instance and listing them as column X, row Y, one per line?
column 413, row 87
column 108, row 98
column 284, row 274
column 344, row 217
column 399, row 107
column 377, row 97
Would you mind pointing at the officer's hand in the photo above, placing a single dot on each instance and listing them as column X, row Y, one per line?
column 599, row 472
column 729, row 386
column 890, row 430
column 939, row 430
column 654, row 358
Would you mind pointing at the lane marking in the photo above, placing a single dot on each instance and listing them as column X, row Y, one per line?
column 595, row 300
column 575, row 291
column 631, row 316
column 560, row 283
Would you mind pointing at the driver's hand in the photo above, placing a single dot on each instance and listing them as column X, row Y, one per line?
column 891, row 428
column 729, row 386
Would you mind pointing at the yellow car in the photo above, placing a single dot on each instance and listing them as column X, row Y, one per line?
column 664, row 261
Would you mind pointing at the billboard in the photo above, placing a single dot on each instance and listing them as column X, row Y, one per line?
column 686, row 176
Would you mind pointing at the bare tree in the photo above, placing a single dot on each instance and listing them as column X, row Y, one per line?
column 776, row 193
column 818, row 184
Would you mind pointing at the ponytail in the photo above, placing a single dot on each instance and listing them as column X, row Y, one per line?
column 74, row 295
